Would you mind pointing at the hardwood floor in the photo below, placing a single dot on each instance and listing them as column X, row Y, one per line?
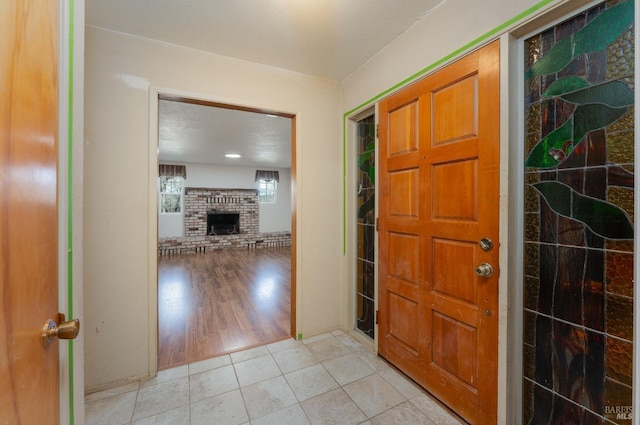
column 222, row 301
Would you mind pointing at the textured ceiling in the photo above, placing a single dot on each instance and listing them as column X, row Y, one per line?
column 204, row 134
column 324, row 38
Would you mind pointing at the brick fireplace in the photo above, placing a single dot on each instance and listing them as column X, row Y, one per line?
column 198, row 203
column 203, row 207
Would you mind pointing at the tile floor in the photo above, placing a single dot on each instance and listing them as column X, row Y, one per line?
column 327, row 379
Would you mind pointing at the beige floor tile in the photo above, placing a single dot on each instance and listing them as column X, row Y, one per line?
column 374, row 362
column 310, row 382
column 292, row 415
column 161, row 397
column 281, row 383
column 166, row 375
column 223, row 409
column 112, row 392
column 334, row 407
column 403, row 414
column 434, row 411
column 268, row 397
column 347, row 369
column 328, row 349
column 405, row 386
column 317, row 338
column 209, row 364
column 255, row 370
column 179, row 416
column 212, row 382
column 285, row 344
column 249, row 354
column 294, row 358
column 348, row 340
column 373, row 395
column 115, row 410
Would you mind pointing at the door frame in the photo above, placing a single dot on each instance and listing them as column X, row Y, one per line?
column 509, row 320
column 70, row 178
column 350, row 224
column 155, row 93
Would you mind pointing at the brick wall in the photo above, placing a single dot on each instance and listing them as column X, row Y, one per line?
column 197, row 202
column 185, row 245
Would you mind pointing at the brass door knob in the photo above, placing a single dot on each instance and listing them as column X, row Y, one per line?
column 65, row 330
column 484, row 270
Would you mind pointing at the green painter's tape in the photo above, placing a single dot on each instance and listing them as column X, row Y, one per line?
column 484, row 37
column 70, row 207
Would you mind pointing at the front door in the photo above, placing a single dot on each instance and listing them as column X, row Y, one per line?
column 438, row 231
column 28, row 210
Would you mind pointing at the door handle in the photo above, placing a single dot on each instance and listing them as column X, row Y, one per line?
column 484, row 270
column 64, row 330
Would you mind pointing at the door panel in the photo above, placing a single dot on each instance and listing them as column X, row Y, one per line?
column 28, row 210
column 404, row 249
column 404, row 124
column 401, row 324
column 455, row 201
column 457, row 111
column 404, row 199
column 448, row 281
column 454, row 347
column 439, row 197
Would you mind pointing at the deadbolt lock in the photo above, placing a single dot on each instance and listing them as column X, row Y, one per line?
column 486, row 244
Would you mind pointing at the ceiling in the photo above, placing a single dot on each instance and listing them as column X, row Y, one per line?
column 324, row 38
column 190, row 132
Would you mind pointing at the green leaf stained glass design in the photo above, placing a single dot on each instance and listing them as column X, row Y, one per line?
column 595, row 36
column 603, row 218
column 592, row 107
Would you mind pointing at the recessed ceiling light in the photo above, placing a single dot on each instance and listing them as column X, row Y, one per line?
column 232, row 155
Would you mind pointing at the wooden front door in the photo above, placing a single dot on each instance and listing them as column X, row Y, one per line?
column 439, row 155
column 28, row 210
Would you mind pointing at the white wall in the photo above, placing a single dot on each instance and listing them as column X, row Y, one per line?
column 120, row 73
column 451, row 26
column 273, row 217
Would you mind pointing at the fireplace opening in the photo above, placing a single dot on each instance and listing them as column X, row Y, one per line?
column 223, row 223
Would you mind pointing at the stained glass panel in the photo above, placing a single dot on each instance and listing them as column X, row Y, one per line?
column 366, row 224
column 579, row 153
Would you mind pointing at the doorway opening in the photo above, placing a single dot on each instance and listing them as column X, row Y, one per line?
column 226, row 257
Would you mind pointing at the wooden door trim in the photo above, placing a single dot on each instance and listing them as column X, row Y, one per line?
column 156, row 94
column 294, row 233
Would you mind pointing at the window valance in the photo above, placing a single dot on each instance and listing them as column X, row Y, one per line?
column 165, row 170
column 267, row 175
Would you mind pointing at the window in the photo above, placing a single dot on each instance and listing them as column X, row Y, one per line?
column 267, row 185
column 267, row 191
column 171, row 194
